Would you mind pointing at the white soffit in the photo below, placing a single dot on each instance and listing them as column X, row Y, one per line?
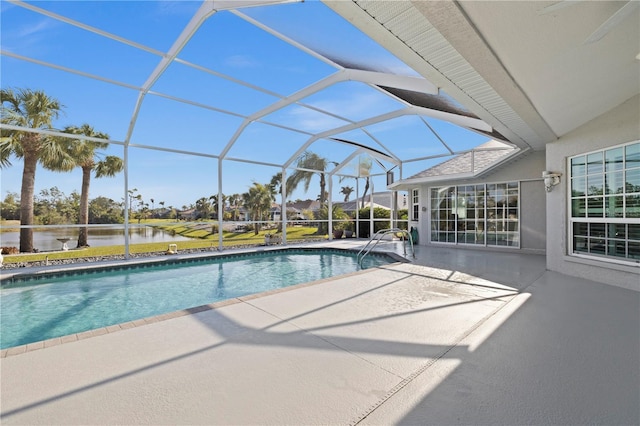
column 424, row 48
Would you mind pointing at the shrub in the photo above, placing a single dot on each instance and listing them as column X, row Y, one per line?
column 10, row 250
column 378, row 213
column 338, row 215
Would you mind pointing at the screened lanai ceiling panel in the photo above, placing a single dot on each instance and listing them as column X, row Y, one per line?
column 177, row 125
column 316, row 26
column 232, row 46
column 254, row 84
column 458, row 138
column 360, row 138
column 104, row 106
column 363, row 166
column 305, row 119
column 409, row 137
column 195, row 85
column 265, row 143
column 439, row 102
column 366, row 148
column 51, row 41
column 153, row 24
column 353, row 100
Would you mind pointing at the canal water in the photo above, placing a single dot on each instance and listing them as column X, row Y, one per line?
column 48, row 240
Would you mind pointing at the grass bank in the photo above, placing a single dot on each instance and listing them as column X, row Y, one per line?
column 201, row 238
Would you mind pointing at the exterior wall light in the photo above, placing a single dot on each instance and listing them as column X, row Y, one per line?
column 551, row 179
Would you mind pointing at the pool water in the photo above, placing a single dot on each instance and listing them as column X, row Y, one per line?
column 43, row 308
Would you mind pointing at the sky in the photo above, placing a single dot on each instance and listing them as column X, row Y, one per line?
column 193, row 109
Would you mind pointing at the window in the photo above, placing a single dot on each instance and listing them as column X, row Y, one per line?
column 484, row 214
column 415, row 204
column 605, row 204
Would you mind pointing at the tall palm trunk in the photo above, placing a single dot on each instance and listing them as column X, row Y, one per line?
column 364, row 194
column 323, row 184
column 26, row 198
column 84, row 206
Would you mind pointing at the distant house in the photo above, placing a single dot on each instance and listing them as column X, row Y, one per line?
column 163, row 213
column 189, row 214
column 295, row 210
column 381, row 200
column 311, row 205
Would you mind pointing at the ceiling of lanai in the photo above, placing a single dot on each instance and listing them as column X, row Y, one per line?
column 533, row 70
column 524, row 72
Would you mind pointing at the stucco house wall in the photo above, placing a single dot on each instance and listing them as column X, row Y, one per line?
column 618, row 126
column 528, row 171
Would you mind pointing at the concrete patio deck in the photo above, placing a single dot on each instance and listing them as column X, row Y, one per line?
column 456, row 337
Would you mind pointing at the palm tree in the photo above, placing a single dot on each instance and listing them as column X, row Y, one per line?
column 276, row 183
column 312, row 161
column 203, row 207
column 346, row 190
column 214, row 204
column 258, row 202
column 276, row 188
column 89, row 159
column 234, row 200
column 35, row 110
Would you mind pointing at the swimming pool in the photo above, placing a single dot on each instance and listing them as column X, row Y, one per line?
column 40, row 308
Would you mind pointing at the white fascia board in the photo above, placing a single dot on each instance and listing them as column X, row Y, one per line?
column 414, row 84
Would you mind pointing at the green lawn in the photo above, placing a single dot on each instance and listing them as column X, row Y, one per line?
column 202, row 238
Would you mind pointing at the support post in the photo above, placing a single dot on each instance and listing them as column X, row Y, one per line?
column 330, row 209
column 220, row 207
column 283, row 209
column 126, row 201
column 371, row 217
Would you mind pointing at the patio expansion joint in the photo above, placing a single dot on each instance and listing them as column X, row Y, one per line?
column 420, row 370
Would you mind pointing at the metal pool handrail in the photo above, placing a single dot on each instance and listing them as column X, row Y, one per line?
column 377, row 237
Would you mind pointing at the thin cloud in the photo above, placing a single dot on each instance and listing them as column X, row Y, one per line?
column 310, row 120
column 28, row 35
column 173, row 8
column 241, row 61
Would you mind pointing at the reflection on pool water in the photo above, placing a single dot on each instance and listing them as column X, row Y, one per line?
column 43, row 308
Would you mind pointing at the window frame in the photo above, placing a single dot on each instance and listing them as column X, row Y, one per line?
column 605, row 221
column 456, row 232
column 415, row 204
